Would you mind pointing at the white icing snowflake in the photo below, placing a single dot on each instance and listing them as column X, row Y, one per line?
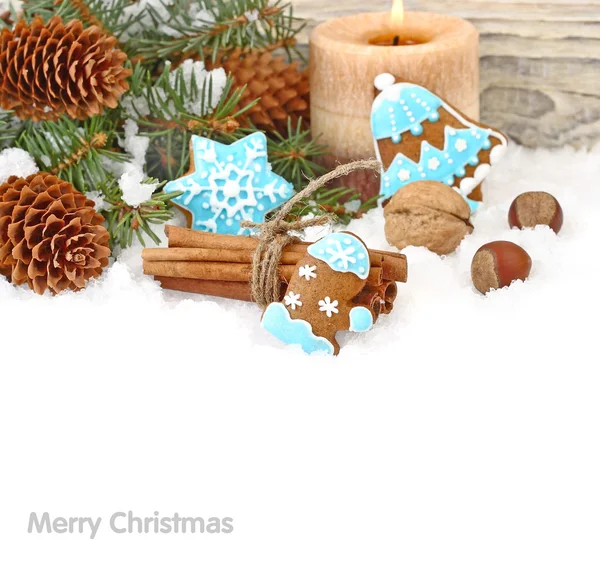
column 403, row 175
column 461, row 145
column 433, row 164
column 292, row 300
column 340, row 256
column 328, row 306
column 307, row 272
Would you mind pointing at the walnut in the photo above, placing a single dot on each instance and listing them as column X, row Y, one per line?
column 427, row 214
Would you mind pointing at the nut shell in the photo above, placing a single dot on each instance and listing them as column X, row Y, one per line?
column 428, row 214
column 535, row 208
column 498, row 264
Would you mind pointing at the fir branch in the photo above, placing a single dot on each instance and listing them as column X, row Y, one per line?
column 108, row 15
column 294, row 157
column 10, row 128
column 74, row 153
column 168, row 101
column 212, row 27
column 125, row 221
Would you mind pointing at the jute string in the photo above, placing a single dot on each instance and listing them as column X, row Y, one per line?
column 274, row 235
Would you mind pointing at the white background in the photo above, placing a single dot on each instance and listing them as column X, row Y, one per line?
column 463, row 431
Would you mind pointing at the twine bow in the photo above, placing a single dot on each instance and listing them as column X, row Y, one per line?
column 275, row 234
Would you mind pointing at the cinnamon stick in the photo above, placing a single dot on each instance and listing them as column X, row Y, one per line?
column 230, row 290
column 212, row 255
column 226, row 271
column 394, row 264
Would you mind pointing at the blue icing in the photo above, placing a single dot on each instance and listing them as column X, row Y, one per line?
column 277, row 321
column 401, row 108
column 343, row 252
column 230, row 184
column 361, row 319
column 474, row 205
column 461, row 147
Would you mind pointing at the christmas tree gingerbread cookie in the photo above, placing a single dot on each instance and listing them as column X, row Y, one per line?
column 321, row 296
column 418, row 137
column 228, row 184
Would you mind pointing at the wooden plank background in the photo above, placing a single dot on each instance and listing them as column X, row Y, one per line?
column 540, row 62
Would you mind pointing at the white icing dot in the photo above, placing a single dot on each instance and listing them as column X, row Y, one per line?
column 384, row 81
column 412, row 95
column 405, row 108
column 205, row 205
column 347, row 241
column 412, row 120
column 321, row 251
column 409, row 114
column 418, row 100
column 391, row 110
column 361, row 255
column 450, row 161
column 361, row 270
column 260, row 207
column 423, row 175
column 229, row 222
column 230, row 158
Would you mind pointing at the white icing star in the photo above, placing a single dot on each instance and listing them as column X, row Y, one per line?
column 292, row 300
column 328, row 306
column 403, row 175
column 307, row 272
column 461, row 145
column 433, row 164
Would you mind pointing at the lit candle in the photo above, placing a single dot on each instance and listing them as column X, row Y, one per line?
column 436, row 51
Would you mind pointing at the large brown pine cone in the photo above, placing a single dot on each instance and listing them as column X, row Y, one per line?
column 284, row 91
column 51, row 237
column 50, row 69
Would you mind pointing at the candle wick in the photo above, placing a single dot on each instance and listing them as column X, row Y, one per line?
column 397, row 40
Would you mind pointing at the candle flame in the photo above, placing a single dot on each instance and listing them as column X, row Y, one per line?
column 398, row 13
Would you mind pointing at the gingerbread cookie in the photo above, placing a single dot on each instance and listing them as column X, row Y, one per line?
column 229, row 184
column 420, row 137
column 321, row 297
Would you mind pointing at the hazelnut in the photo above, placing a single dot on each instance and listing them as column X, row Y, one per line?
column 535, row 208
column 499, row 264
column 427, row 214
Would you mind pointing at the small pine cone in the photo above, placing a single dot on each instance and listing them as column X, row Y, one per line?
column 51, row 236
column 50, row 69
column 284, row 91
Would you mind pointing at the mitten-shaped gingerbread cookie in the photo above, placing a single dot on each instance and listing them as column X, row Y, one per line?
column 420, row 137
column 319, row 298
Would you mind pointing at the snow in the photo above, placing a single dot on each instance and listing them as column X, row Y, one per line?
column 461, row 431
column 135, row 192
column 16, row 162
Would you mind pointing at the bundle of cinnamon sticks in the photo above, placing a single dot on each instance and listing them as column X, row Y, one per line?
column 221, row 265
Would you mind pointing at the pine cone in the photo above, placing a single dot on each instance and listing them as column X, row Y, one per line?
column 284, row 91
column 50, row 235
column 50, row 69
